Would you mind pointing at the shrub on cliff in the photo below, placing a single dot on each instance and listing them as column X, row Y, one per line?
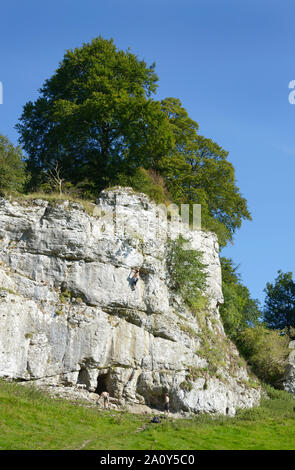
column 187, row 272
column 239, row 310
column 148, row 182
column 12, row 168
column 279, row 308
column 266, row 351
column 95, row 116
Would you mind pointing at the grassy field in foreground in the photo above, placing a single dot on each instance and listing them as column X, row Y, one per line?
column 30, row 419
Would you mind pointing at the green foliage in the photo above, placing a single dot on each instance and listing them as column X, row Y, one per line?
column 186, row 271
column 95, row 117
column 189, row 279
column 148, row 182
column 239, row 310
column 275, row 394
column 214, row 347
column 279, row 308
column 192, row 375
column 12, row 168
column 65, row 295
column 197, row 171
column 266, row 351
column 85, row 190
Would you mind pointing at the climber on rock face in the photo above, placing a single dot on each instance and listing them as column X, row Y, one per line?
column 135, row 278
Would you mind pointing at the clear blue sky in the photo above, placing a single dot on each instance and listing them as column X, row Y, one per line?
column 230, row 63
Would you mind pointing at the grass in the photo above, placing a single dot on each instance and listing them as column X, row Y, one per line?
column 29, row 419
column 54, row 198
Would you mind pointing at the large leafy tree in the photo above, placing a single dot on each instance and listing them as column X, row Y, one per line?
column 97, row 120
column 12, row 167
column 197, row 171
column 279, row 307
column 95, row 117
column 266, row 351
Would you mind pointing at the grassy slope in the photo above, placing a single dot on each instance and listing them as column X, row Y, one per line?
column 31, row 420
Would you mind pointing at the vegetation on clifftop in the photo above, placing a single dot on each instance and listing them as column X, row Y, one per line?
column 97, row 123
column 13, row 175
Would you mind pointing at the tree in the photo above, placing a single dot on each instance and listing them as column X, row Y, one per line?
column 12, row 167
column 239, row 311
column 197, row 171
column 279, row 306
column 95, row 117
column 187, row 272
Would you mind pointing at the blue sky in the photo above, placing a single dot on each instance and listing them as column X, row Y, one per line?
column 229, row 63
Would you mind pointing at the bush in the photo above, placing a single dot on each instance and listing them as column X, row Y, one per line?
column 239, row 310
column 279, row 307
column 83, row 190
column 275, row 394
column 12, row 167
column 187, row 273
column 266, row 351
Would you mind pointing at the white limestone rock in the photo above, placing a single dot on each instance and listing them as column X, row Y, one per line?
column 68, row 314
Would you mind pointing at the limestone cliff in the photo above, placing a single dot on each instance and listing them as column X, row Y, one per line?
column 68, row 314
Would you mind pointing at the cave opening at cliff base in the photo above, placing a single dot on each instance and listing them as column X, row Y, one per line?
column 101, row 384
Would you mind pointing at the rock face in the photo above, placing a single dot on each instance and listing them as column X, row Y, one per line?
column 68, row 313
column 288, row 380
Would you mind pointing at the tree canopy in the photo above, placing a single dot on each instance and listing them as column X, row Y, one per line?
column 266, row 350
column 197, row 171
column 239, row 311
column 187, row 271
column 12, row 167
column 279, row 306
column 95, row 116
column 98, row 119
